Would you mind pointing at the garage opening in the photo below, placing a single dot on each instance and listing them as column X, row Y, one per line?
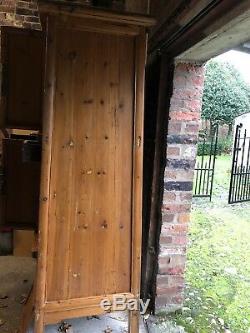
column 22, row 57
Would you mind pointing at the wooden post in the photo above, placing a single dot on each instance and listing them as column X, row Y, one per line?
column 150, row 260
column 138, row 181
column 45, row 176
column 134, row 321
column 39, row 322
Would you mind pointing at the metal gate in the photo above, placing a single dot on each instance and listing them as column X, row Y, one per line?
column 240, row 175
column 205, row 163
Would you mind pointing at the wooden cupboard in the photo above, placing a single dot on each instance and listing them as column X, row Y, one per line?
column 90, row 216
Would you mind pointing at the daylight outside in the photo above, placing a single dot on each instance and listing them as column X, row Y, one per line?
column 217, row 294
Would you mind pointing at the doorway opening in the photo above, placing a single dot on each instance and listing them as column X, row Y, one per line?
column 22, row 57
column 218, row 274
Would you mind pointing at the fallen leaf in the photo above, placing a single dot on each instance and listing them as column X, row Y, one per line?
column 2, row 322
column 21, row 299
column 64, row 327
column 3, row 297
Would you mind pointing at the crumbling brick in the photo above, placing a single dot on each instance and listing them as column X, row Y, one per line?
column 22, row 14
column 184, row 123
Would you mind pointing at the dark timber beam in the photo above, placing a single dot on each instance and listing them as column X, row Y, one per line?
column 192, row 22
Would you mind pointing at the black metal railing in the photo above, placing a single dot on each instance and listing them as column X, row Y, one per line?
column 205, row 164
column 239, row 190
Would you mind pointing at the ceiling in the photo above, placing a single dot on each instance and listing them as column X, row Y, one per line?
column 195, row 30
column 192, row 30
column 244, row 47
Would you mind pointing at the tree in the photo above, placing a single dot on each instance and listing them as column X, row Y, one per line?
column 226, row 94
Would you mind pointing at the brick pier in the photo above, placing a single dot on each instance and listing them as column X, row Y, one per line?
column 184, row 123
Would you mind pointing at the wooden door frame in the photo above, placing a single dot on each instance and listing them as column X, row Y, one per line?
column 153, row 220
column 53, row 312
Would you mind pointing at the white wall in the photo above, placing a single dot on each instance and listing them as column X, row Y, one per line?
column 245, row 120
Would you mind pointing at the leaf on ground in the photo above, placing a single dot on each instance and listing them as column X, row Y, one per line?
column 3, row 297
column 2, row 322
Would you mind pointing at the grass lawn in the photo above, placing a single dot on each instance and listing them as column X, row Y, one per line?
column 218, row 267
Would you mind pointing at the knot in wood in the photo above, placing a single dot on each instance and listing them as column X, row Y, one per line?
column 71, row 144
column 72, row 55
column 104, row 225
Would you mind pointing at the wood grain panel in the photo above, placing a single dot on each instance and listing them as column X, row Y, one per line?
column 79, row 303
column 91, row 175
column 81, row 307
column 23, row 77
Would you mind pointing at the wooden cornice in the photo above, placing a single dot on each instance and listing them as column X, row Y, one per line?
column 57, row 7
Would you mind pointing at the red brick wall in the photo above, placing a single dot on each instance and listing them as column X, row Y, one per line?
column 17, row 13
column 184, row 123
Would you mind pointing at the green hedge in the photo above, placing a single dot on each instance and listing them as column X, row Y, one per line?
column 224, row 147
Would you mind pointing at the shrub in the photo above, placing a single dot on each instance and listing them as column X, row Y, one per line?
column 224, row 146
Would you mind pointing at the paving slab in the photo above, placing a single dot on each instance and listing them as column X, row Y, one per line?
column 111, row 323
column 16, row 279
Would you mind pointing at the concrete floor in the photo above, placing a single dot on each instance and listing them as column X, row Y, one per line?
column 16, row 278
column 112, row 323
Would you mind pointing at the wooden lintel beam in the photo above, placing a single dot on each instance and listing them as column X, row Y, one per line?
column 193, row 24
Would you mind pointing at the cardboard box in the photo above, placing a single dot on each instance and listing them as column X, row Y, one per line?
column 23, row 243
